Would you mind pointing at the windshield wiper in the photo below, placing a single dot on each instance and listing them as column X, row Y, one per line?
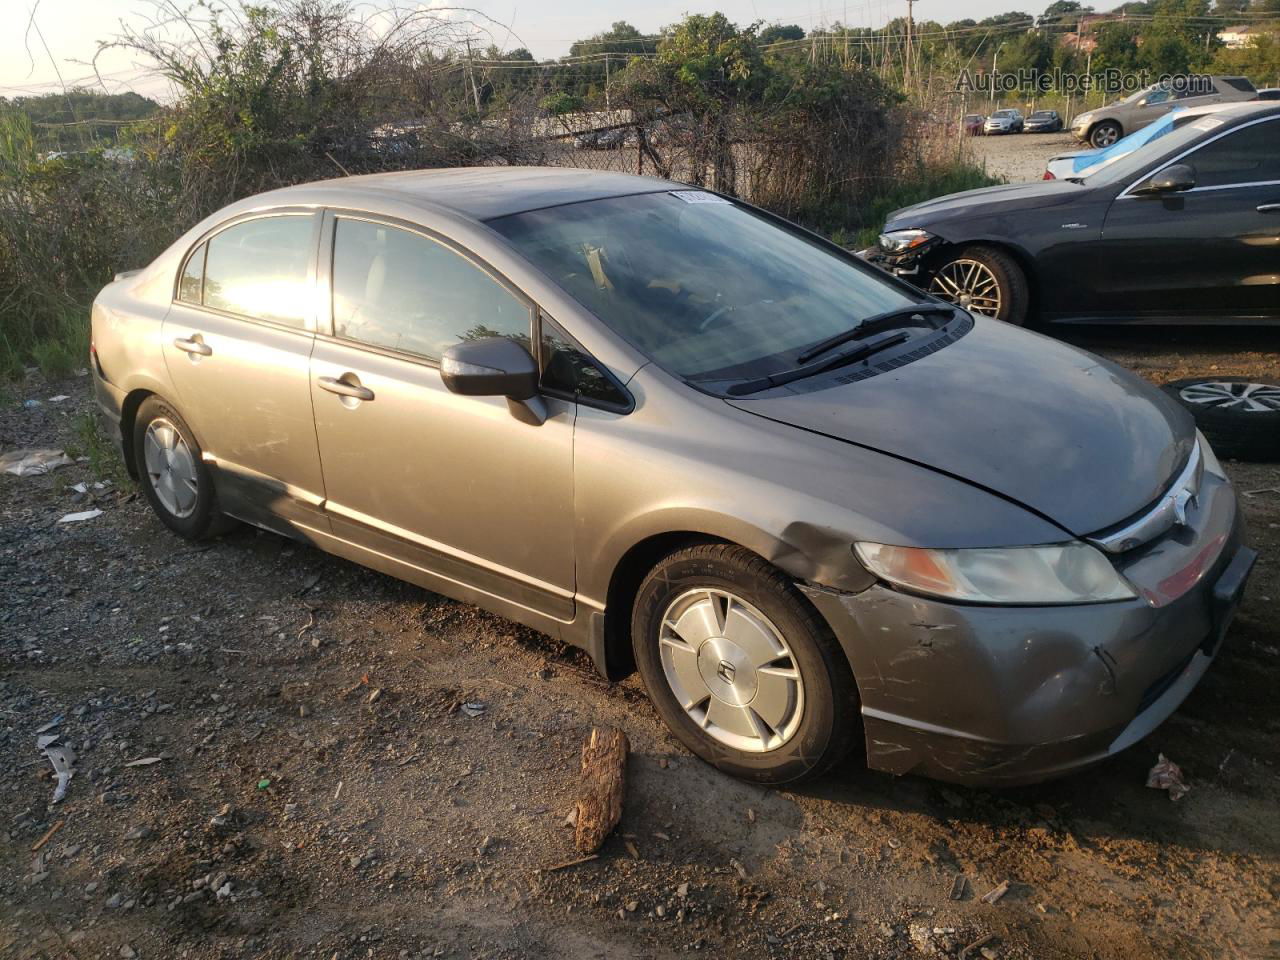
column 811, row 369
column 874, row 324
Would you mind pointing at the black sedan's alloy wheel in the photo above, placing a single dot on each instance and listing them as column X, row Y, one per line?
column 741, row 668
column 1239, row 416
column 983, row 280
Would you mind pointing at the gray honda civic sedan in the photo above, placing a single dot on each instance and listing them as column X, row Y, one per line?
column 811, row 505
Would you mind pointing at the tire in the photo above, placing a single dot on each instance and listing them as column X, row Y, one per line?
column 1011, row 283
column 747, row 597
column 1104, row 134
column 194, row 517
column 1239, row 416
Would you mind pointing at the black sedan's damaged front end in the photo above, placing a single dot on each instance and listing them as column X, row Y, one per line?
column 1004, row 695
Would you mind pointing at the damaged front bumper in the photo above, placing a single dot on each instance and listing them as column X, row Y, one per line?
column 908, row 265
column 1000, row 696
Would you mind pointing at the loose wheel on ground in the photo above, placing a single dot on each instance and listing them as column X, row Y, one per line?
column 1239, row 416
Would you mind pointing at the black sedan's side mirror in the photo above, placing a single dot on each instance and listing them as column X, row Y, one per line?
column 1175, row 179
column 495, row 367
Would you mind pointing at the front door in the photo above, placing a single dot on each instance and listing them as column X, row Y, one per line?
column 1211, row 252
column 237, row 343
column 455, row 486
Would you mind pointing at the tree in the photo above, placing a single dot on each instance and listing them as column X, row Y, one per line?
column 778, row 32
column 1063, row 11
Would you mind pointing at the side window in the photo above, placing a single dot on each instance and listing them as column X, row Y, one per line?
column 400, row 290
column 567, row 370
column 191, row 286
column 258, row 269
column 1158, row 96
column 1251, row 155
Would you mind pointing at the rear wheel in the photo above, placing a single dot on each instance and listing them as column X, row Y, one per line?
column 741, row 668
column 983, row 280
column 1105, row 134
column 172, row 473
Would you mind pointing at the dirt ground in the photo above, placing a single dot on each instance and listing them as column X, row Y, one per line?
column 320, row 791
column 1021, row 156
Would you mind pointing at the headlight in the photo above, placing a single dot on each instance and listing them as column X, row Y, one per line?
column 900, row 241
column 1059, row 573
column 1082, row 120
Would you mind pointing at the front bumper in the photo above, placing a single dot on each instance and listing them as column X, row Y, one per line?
column 1000, row 696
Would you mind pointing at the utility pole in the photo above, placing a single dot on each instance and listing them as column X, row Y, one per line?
column 906, row 69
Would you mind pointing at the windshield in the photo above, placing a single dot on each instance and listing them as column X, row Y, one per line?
column 1003, row 113
column 1042, row 115
column 1170, row 143
column 708, row 289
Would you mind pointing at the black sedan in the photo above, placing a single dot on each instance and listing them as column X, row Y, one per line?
column 1184, row 230
column 1044, row 121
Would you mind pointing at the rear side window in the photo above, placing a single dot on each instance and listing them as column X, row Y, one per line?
column 1250, row 155
column 191, row 286
column 403, row 291
column 258, row 269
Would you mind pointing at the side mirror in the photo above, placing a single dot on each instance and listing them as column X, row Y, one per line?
column 495, row 367
column 1175, row 179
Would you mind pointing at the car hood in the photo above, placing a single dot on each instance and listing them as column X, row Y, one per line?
column 1062, row 432
column 1012, row 196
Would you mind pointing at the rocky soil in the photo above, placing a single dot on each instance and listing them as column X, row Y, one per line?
column 281, row 754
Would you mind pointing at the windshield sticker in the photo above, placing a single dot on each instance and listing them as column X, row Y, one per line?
column 697, row 196
column 1208, row 123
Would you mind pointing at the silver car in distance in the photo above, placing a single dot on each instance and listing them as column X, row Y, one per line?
column 811, row 505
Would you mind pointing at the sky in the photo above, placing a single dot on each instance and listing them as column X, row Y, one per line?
column 38, row 54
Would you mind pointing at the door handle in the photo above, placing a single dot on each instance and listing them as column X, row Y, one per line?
column 1269, row 208
column 344, row 389
column 193, row 346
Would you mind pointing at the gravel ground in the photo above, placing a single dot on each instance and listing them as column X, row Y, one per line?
column 320, row 792
column 1021, row 156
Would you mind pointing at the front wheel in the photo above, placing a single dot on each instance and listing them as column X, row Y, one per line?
column 741, row 668
column 983, row 280
column 1105, row 134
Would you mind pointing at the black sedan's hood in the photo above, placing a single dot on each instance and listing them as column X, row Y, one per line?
column 1009, row 197
column 1067, row 434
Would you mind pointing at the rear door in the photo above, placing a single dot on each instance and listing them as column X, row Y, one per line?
column 454, row 486
column 1207, row 253
column 237, row 344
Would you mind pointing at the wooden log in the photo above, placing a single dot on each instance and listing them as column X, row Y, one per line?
column 604, row 781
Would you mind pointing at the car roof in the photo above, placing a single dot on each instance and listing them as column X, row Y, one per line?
column 477, row 193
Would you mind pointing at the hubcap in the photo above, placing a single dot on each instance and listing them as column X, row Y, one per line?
column 731, row 670
column 1105, row 137
column 170, row 467
column 968, row 284
column 1245, row 397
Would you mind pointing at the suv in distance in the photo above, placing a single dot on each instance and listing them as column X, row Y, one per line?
column 1004, row 121
column 1103, row 127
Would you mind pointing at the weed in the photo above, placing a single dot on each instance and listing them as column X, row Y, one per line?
column 104, row 459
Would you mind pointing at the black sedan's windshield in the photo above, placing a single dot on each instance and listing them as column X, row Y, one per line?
column 708, row 289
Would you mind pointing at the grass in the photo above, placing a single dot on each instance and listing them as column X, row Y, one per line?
column 58, row 347
column 104, row 459
column 925, row 184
